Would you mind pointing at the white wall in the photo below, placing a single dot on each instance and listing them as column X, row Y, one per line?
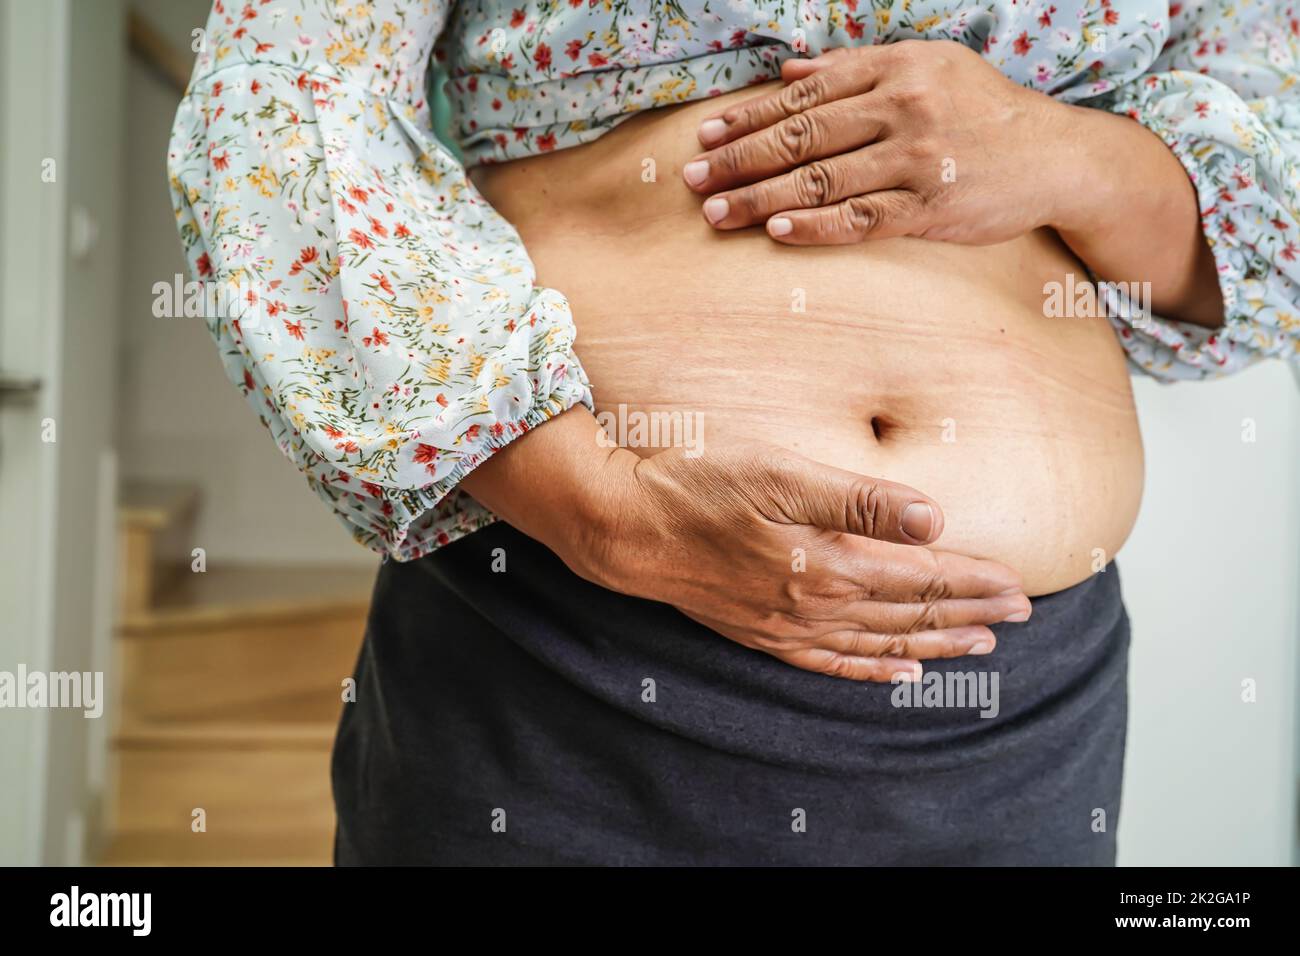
column 1210, row 578
column 179, row 417
column 59, row 263
column 33, row 128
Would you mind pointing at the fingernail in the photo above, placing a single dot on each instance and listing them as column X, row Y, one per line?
column 1014, row 589
column 780, row 226
column 696, row 172
column 716, row 209
column 918, row 521
column 910, row 674
column 1017, row 617
column 712, row 131
column 983, row 647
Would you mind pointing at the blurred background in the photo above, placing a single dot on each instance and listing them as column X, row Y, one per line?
column 149, row 530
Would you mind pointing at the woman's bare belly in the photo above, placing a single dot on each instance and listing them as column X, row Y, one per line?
column 921, row 362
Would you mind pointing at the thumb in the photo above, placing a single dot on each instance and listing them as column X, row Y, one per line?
column 839, row 500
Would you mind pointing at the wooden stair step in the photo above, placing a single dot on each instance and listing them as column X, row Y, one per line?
column 245, row 585
column 225, row 736
column 230, row 692
column 237, row 848
column 265, row 790
column 155, row 505
column 246, row 593
column 155, row 520
column 246, row 643
column 240, row 673
column 240, row 790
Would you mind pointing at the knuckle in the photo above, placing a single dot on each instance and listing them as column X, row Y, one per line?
column 862, row 643
column 919, row 148
column 816, row 607
column 808, row 600
column 839, row 591
column 817, row 183
column 910, row 96
column 766, row 642
column 954, row 647
column 839, row 666
column 927, row 617
column 771, row 628
column 907, row 50
column 825, row 600
column 868, row 506
column 933, row 586
column 926, row 109
column 802, row 94
column 792, row 592
column 796, row 138
column 788, row 624
column 861, row 215
column 891, row 645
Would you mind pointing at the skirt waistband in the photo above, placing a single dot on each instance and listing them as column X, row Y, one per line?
column 1062, row 670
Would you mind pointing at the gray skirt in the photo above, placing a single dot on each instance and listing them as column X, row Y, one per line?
column 527, row 716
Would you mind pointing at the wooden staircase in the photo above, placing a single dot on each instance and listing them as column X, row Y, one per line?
column 229, row 686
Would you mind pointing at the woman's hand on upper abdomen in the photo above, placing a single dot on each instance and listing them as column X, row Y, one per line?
column 917, row 138
column 819, row 567
column 928, row 139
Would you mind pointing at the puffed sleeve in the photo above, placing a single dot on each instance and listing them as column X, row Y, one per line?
column 1223, row 96
column 378, row 314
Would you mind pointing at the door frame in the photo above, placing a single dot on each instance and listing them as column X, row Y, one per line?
column 33, row 127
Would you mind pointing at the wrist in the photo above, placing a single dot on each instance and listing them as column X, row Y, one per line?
column 1132, row 213
column 1081, row 182
column 607, row 539
column 565, row 485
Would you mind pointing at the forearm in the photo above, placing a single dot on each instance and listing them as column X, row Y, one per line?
column 1125, row 206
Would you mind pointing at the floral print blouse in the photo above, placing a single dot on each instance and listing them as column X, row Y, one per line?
column 384, row 320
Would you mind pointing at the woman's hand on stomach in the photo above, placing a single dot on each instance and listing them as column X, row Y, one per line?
column 917, row 138
column 808, row 563
column 816, row 566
